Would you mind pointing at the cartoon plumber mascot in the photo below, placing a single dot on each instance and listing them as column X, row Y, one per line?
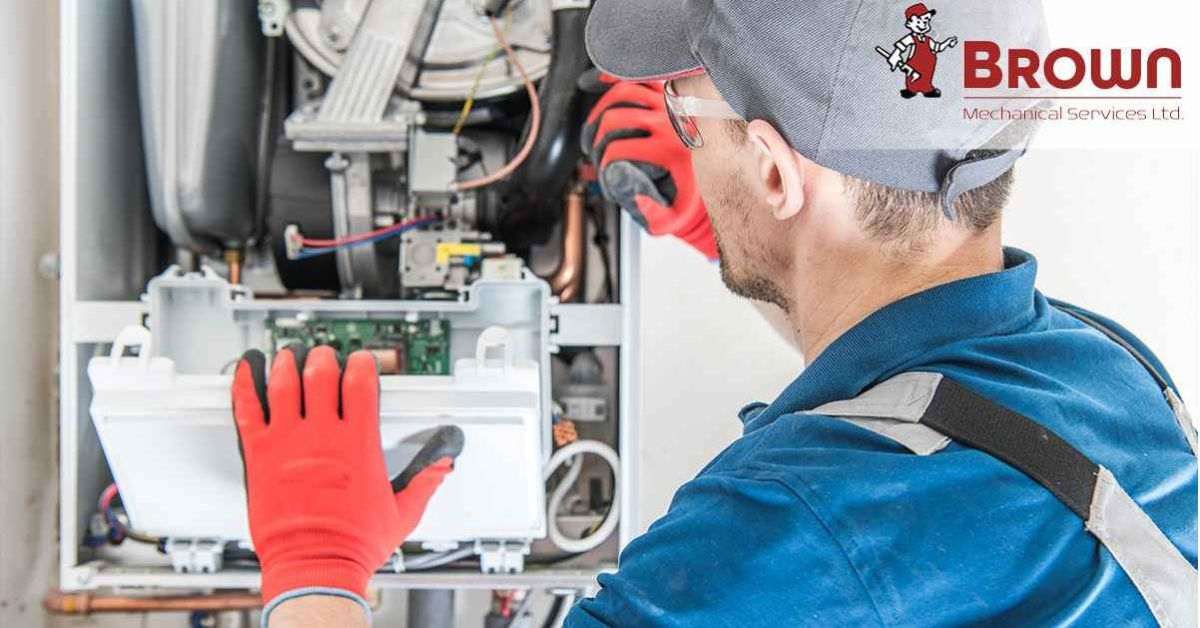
column 917, row 52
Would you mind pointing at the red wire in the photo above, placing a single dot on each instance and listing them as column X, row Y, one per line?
column 535, row 120
column 107, row 496
column 358, row 237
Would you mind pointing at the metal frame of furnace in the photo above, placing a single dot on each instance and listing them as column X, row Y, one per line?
column 106, row 249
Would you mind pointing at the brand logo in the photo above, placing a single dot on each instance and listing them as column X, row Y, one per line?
column 1028, row 84
column 987, row 66
column 916, row 53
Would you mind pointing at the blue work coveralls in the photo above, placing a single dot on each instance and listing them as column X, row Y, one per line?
column 810, row 520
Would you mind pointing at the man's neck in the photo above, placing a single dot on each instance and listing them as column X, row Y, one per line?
column 837, row 294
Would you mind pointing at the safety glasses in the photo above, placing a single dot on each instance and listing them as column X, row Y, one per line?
column 685, row 110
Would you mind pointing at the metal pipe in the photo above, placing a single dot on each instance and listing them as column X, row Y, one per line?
column 58, row 602
column 418, row 45
column 233, row 259
column 567, row 280
column 430, row 608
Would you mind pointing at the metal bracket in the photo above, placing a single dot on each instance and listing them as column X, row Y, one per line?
column 503, row 557
column 395, row 563
column 311, row 133
column 359, row 111
column 350, row 187
column 195, row 555
column 340, row 20
column 273, row 15
column 585, row 325
column 410, row 72
column 560, row 5
column 80, row 577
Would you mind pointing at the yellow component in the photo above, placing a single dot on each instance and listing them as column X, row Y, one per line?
column 446, row 250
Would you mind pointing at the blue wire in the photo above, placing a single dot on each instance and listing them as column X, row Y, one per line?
column 310, row 253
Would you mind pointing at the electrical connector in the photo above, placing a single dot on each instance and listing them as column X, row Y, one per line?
column 293, row 241
column 564, row 432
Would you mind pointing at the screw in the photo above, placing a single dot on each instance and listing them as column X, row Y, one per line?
column 50, row 266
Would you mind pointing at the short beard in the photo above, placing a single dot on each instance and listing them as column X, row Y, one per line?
column 749, row 286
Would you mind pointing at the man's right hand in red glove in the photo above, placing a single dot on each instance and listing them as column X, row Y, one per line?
column 323, row 513
column 643, row 167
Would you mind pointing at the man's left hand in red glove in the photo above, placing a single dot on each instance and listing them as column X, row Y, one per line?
column 323, row 513
column 643, row 167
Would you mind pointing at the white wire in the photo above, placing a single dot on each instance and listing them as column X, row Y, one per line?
column 574, row 452
column 574, row 468
column 429, row 561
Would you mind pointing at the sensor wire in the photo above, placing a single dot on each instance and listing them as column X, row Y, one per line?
column 535, row 120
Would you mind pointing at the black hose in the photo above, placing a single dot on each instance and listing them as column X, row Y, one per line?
column 530, row 203
column 494, row 8
column 268, row 102
column 555, row 609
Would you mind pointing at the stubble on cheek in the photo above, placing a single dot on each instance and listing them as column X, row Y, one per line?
column 750, row 268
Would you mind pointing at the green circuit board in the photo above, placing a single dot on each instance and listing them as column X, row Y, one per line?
column 401, row 347
column 429, row 349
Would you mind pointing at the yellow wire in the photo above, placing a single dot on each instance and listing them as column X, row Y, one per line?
column 469, row 103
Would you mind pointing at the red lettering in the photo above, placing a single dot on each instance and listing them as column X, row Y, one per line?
column 1023, row 63
column 1075, row 58
column 1176, row 67
column 1116, row 77
column 982, row 67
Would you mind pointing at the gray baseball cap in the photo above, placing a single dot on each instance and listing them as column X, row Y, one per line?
column 845, row 81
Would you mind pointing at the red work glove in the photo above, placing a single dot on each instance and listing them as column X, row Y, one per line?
column 643, row 167
column 322, row 510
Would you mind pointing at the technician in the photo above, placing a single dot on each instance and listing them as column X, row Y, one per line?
column 960, row 449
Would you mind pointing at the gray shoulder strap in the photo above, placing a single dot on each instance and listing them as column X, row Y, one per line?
column 893, row 409
column 1159, row 571
column 1182, row 416
column 904, row 408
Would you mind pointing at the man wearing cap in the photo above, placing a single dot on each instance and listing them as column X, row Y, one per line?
column 960, row 449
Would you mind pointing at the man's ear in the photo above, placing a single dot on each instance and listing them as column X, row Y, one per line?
column 780, row 170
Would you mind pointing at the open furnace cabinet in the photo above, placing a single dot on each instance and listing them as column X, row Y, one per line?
column 497, row 309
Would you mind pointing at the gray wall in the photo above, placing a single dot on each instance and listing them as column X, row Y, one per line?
column 28, row 228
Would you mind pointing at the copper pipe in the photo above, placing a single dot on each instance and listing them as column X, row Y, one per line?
column 58, row 602
column 567, row 279
column 233, row 258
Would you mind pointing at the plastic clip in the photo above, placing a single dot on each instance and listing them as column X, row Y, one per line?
column 132, row 336
column 493, row 337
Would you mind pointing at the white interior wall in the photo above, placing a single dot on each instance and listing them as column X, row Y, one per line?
column 705, row 353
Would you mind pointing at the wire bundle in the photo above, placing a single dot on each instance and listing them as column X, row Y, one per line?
column 310, row 247
column 118, row 531
column 535, row 119
column 313, row 247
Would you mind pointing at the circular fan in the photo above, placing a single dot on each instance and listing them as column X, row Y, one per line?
column 463, row 49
